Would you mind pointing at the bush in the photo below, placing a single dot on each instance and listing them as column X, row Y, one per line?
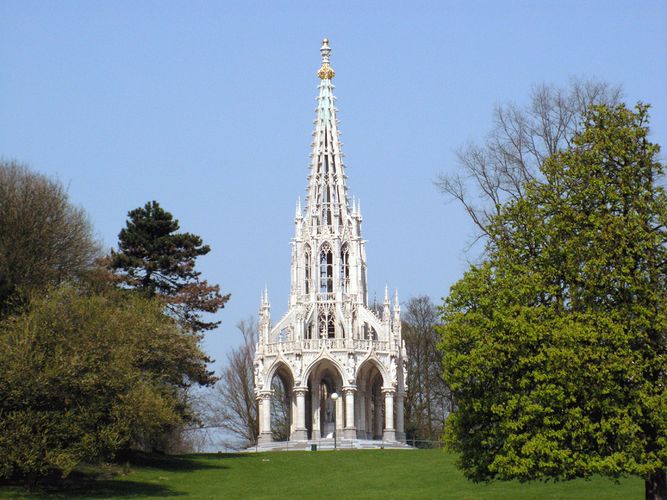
column 84, row 375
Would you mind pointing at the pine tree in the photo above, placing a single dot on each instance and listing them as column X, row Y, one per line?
column 159, row 261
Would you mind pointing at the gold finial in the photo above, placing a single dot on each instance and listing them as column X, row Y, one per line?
column 325, row 72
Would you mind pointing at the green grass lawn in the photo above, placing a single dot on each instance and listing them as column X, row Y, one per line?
column 321, row 474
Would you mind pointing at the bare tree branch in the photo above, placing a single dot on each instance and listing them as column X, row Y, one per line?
column 521, row 139
column 44, row 239
column 232, row 404
column 428, row 399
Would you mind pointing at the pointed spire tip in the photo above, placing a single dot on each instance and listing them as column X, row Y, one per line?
column 325, row 72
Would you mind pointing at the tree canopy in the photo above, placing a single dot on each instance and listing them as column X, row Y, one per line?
column 88, row 368
column 44, row 239
column 84, row 375
column 555, row 346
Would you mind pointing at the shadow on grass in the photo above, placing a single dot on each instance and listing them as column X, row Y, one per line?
column 176, row 463
column 218, row 456
column 103, row 480
column 87, row 486
column 99, row 481
column 105, row 489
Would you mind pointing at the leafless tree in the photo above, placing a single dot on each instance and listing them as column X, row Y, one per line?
column 521, row 139
column 428, row 399
column 232, row 406
column 44, row 239
column 280, row 416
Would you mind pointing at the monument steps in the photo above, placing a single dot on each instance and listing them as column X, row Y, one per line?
column 328, row 444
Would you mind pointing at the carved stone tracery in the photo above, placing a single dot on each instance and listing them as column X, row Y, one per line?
column 329, row 331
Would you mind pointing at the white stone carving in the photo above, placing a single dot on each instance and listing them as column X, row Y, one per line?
column 351, row 365
column 329, row 329
column 259, row 373
column 298, row 366
column 405, row 373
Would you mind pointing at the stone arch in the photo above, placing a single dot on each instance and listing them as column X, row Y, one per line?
column 325, row 264
column 279, row 363
column 344, row 267
column 372, row 359
column 307, row 268
column 370, row 380
column 280, row 380
column 324, row 355
column 323, row 415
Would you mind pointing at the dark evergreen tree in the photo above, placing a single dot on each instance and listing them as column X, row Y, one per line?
column 156, row 259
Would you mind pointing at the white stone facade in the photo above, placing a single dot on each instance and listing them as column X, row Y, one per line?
column 330, row 340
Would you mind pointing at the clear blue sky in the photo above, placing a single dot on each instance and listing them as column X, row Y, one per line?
column 207, row 107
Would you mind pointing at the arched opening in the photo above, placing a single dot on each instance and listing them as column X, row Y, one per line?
column 326, row 269
column 282, row 384
column 345, row 268
column 307, row 270
column 369, row 332
column 321, row 411
column 370, row 403
column 327, row 322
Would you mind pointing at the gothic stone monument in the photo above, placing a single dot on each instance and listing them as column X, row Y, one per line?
column 330, row 341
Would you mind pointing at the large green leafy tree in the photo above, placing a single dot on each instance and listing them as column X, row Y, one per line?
column 156, row 259
column 84, row 375
column 555, row 347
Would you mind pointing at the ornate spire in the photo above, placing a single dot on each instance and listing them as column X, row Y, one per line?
column 327, row 189
column 325, row 72
column 328, row 317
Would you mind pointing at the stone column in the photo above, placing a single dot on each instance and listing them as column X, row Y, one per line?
column 376, row 430
column 340, row 416
column 389, row 431
column 264, row 417
column 361, row 399
column 400, row 425
column 350, row 431
column 300, row 433
column 315, row 414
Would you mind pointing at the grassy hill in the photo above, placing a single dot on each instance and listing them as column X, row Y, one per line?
column 321, row 474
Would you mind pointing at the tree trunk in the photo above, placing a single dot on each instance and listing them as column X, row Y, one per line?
column 656, row 486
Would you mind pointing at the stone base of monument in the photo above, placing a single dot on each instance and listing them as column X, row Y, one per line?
column 328, row 444
column 265, row 438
